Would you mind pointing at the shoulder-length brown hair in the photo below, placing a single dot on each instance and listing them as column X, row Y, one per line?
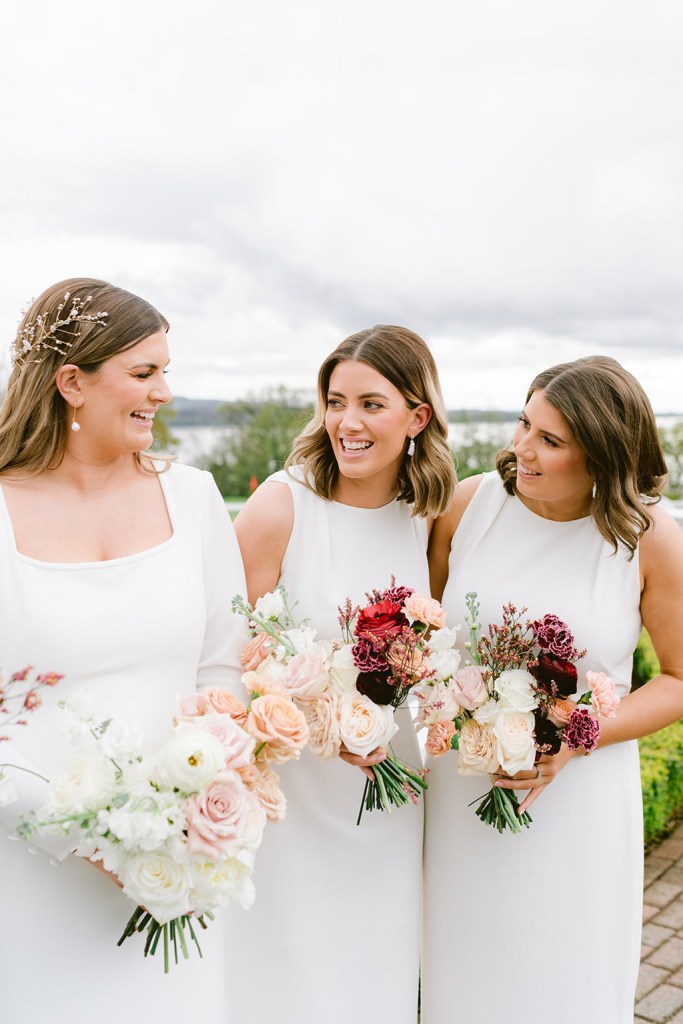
column 427, row 480
column 33, row 416
column 612, row 420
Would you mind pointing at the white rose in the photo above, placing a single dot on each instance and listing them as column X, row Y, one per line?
column 270, row 606
column 343, row 670
column 442, row 639
column 190, row 760
column 219, row 884
column 444, row 663
column 300, row 638
column 514, row 731
column 159, row 883
column 438, row 703
column 364, row 725
column 87, row 783
column 515, row 690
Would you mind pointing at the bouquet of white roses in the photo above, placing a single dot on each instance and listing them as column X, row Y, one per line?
column 511, row 703
column 179, row 827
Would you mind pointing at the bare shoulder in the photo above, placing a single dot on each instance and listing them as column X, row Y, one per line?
column 263, row 529
column 447, row 524
column 661, row 546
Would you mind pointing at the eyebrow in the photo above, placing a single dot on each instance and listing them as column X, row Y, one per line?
column 366, row 394
column 556, row 437
column 148, row 366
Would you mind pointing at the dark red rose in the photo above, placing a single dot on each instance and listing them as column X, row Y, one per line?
column 582, row 731
column 380, row 620
column 378, row 686
column 546, row 734
column 557, row 676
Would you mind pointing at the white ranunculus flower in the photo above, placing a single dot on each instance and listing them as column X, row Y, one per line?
column 444, row 663
column 191, row 759
column 514, row 732
column 442, row 639
column 364, row 725
column 270, row 606
column 343, row 670
column 515, row 690
column 87, row 783
column 159, row 883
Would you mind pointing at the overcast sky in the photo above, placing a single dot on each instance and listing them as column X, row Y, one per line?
column 502, row 177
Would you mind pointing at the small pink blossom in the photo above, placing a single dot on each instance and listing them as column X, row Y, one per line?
column 604, row 696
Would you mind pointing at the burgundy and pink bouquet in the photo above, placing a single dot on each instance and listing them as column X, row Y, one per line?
column 512, row 703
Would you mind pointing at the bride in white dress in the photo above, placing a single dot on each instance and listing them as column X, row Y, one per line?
column 120, row 577
column 545, row 925
column 334, row 934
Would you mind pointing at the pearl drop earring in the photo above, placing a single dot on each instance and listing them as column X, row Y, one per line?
column 74, row 425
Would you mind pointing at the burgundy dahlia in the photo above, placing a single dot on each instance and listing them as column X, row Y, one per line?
column 378, row 686
column 557, row 676
column 582, row 730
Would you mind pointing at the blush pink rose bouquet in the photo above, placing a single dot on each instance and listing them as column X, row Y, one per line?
column 179, row 827
column 511, row 702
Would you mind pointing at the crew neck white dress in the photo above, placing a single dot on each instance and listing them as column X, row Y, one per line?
column 544, row 925
column 334, row 934
column 138, row 630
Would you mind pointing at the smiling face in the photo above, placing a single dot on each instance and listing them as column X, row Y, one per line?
column 120, row 399
column 369, row 424
column 552, row 475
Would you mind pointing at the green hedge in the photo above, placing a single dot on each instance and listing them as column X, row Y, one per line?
column 661, row 775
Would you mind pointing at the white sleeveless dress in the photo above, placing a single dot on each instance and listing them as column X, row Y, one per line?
column 544, row 925
column 334, row 934
column 139, row 631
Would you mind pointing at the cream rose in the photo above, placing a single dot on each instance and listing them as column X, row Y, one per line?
column 477, row 749
column 220, row 884
column 323, row 721
column 514, row 732
column 364, row 725
column 276, row 722
column 343, row 669
column 515, row 690
column 159, row 883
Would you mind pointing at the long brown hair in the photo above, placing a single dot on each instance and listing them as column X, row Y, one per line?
column 612, row 420
column 33, row 416
column 426, row 480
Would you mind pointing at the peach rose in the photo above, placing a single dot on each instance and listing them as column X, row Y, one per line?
column 560, row 711
column 477, row 749
column 323, row 720
column 193, row 705
column 439, row 738
column 405, row 657
column 267, row 678
column 277, row 723
column 604, row 696
column 256, row 651
column 424, row 609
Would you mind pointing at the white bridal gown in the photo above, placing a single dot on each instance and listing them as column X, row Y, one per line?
column 139, row 631
column 544, row 925
column 333, row 936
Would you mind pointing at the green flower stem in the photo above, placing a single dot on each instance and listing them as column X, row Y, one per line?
column 165, row 931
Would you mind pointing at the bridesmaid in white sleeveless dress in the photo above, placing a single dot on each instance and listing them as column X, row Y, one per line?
column 120, row 577
column 334, row 933
column 545, row 925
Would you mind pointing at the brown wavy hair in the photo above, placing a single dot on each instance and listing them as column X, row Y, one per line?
column 427, row 480
column 613, row 422
column 33, row 416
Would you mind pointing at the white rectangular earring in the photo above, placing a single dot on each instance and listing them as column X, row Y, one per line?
column 411, row 446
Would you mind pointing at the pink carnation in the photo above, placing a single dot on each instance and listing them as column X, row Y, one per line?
column 604, row 696
column 439, row 738
column 426, row 610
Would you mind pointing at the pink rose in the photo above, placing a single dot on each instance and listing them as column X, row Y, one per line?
column 560, row 711
column 439, row 738
column 277, row 723
column 424, row 609
column 604, row 696
column 256, row 651
column 469, row 687
column 237, row 744
column 305, row 676
column 218, row 817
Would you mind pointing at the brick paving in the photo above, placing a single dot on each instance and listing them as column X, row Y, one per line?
column 659, row 998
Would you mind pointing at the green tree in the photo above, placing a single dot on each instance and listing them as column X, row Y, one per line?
column 263, row 428
column 478, row 445
column 672, row 443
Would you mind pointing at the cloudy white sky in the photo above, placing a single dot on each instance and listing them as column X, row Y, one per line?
column 502, row 176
